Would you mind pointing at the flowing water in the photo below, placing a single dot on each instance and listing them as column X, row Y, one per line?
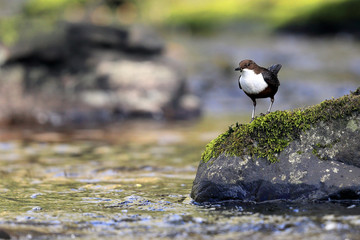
column 132, row 181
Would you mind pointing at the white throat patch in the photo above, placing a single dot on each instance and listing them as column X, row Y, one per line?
column 251, row 82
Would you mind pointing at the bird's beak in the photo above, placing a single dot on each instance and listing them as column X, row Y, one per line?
column 238, row 69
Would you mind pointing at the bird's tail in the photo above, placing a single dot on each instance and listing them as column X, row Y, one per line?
column 275, row 68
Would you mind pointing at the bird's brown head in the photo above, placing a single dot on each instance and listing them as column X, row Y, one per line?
column 246, row 64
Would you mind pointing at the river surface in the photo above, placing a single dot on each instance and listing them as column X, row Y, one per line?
column 132, row 181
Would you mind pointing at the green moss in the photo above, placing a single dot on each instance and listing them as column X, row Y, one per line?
column 323, row 146
column 317, row 154
column 268, row 135
column 320, row 146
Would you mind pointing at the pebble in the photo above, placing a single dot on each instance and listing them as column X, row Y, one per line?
column 37, row 208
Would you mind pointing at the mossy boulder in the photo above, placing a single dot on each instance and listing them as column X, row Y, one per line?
column 309, row 154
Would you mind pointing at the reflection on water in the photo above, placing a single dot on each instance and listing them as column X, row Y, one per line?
column 133, row 181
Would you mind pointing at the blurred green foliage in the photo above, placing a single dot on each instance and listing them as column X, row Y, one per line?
column 34, row 16
column 48, row 8
column 193, row 15
column 332, row 17
column 202, row 15
column 8, row 30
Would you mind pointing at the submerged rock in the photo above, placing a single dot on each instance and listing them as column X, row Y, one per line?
column 310, row 154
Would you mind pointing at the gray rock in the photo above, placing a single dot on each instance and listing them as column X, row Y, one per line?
column 322, row 163
column 86, row 74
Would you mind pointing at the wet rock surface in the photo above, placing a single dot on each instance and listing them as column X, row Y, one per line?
column 93, row 74
column 321, row 164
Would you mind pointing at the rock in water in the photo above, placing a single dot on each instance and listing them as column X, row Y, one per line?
column 310, row 154
column 89, row 75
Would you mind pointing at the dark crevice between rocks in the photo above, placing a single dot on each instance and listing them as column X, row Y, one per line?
column 345, row 194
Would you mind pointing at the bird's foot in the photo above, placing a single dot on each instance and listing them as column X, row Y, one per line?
column 251, row 120
column 267, row 112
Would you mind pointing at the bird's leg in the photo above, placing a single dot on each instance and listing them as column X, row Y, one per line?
column 271, row 103
column 253, row 112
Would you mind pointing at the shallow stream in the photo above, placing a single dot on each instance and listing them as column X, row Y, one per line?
column 132, row 181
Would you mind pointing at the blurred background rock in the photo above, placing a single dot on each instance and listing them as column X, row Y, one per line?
column 90, row 62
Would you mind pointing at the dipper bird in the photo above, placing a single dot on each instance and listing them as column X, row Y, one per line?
column 258, row 82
